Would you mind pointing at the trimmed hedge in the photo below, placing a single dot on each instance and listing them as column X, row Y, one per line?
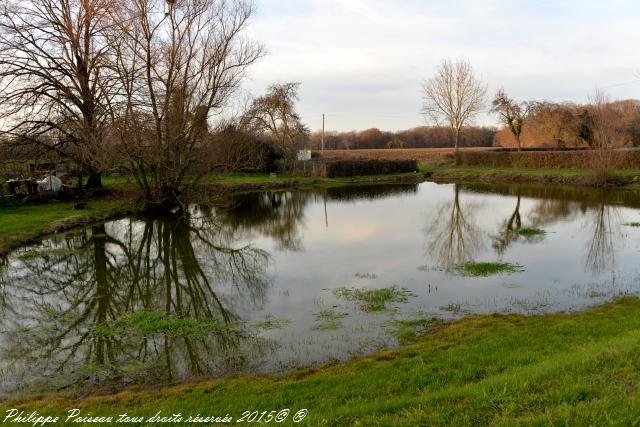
column 346, row 168
column 587, row 159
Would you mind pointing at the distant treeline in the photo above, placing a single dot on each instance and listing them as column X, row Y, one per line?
column 559, row 125
column 552, row 125
column 419, row 137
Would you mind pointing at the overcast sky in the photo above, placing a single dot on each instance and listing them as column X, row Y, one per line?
column 362, row 61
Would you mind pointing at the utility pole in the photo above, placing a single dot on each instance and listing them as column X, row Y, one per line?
column 322, row 144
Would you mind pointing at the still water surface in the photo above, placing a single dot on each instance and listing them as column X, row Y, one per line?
column 248, row 284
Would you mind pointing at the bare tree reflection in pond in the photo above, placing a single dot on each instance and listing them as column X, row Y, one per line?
column 508, row 233
column 278, row 215
column 512, row 230
column 452, row 236
column 67, row 313
column 604, row 224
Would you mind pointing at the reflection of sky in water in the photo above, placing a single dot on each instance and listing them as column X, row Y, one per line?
column 400, row 238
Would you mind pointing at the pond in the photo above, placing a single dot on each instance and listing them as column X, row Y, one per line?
column 267, row 282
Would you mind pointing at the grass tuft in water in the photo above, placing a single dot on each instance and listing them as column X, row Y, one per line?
column 530, row 232
column 155, row 322
column 632, row 224
column 374, row 299
column 272, row 322
column 406, row 331
column 45, row 253
column 329, row 319
column 29, row 255
column 485, row 269
column 366, row 275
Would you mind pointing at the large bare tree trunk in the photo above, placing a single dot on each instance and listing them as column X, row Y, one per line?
column 179, row 63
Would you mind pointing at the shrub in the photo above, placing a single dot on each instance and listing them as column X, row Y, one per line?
column 582, row 159
column 345, row 168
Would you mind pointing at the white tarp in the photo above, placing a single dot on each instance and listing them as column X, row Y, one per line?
column 50, row 183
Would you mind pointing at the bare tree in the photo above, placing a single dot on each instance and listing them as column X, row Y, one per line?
column 52, row 64
column 605, row 132
column 179, row 63
column 512, row 114
column 454, row 96
column 274, row 115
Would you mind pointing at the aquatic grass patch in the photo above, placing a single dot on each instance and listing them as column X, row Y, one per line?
column 329, row 319
column 455, row 308
column 366, row 276
column 29, row 255
column 272, row 322
column 374, row 299
column 486, row 269
column 158, row 323
column 530, row 232
column 632, row 224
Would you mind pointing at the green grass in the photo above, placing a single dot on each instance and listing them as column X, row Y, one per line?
column 23, row 222
column 271, row 322
column 29, row 255
column 407, row 330
column 374, row 299
column 370, row 276
column 148, row 323
column 563, row 369
column 632, row 224
column 45, row 253
column 485, row 269
column 329, row 319
column 530, row 232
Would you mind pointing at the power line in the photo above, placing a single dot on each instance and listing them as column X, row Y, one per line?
column 621, row 84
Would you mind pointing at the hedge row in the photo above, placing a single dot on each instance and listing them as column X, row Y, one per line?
column 345, row 168
column 619, row 159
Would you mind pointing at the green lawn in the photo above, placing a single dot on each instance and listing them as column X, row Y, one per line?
column 23, row 222
column 577, row 369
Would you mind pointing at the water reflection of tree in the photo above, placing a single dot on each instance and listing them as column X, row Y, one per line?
column 509, row 231
column 452, row 236
column 278, row 215
column 603, row 225
column 175, row 265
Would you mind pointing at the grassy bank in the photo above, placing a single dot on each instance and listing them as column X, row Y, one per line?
column 575, row 369
column 22, row 223
column 530, row 175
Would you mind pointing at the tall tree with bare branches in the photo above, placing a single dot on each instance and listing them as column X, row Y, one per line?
column 512, row 114
column 454, row 96
column 274, row 114
column 178, row 62
column 52, row 64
